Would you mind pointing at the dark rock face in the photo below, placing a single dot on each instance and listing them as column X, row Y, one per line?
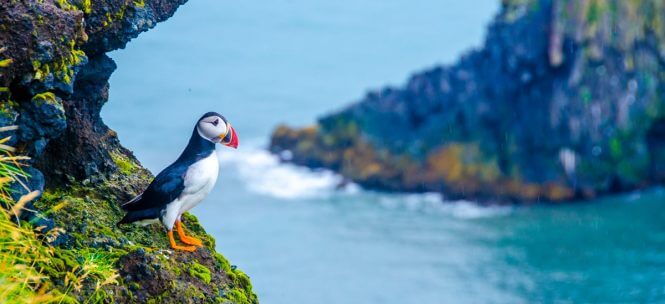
column 54, row 78
column 565, row 100
column 87, row 139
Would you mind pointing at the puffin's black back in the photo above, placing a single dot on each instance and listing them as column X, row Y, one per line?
column 168, row 184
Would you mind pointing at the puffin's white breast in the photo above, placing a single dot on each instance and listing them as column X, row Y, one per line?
column 199, row 180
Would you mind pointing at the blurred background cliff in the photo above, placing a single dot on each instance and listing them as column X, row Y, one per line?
column 563, row 101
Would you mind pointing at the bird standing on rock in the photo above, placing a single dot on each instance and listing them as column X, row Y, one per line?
column 186, row 182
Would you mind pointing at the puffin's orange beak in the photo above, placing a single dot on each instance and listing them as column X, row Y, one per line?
column 230, row 139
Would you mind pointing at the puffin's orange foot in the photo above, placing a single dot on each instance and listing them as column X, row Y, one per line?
column 187, row 239
column 191, row 240
column 184, row 248
column 178, row 247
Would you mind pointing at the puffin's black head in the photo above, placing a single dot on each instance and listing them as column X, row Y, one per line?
column 215, row 128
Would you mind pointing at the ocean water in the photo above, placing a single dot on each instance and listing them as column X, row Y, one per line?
column 299, row 238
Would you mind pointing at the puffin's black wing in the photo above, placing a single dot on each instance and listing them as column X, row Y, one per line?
column 165, row 188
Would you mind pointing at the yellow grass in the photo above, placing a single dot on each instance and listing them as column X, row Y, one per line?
column 25, row 251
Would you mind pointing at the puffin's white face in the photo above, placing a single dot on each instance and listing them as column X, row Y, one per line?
column 211, row 128
column 216, row 129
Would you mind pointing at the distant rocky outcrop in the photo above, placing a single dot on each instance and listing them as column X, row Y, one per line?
column 565, row 100
column 54, row 75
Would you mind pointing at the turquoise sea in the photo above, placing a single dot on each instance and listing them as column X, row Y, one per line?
column 302, row 241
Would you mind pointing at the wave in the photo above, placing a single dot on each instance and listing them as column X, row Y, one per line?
column 435, row 203
column 471, row 210
column 263, row 173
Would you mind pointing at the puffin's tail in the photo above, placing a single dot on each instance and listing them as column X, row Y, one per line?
column 128, row 205
column 138, row 215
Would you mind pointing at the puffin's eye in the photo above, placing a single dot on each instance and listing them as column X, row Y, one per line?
column 215, row 122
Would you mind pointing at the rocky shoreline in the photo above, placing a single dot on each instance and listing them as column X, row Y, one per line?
column 54, row 75
column 564, row 101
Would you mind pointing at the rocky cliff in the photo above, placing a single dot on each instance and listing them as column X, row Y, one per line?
column 565, row 100
column 54, row 75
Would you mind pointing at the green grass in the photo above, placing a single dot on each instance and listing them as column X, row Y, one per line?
column 29, row 266
column 21, row 250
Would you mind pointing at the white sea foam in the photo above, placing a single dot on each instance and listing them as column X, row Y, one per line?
column 263, row 173
column 435, row 203
column 471, row 210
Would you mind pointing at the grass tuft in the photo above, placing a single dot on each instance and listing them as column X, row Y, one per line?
column 21, row 250
column 29, row 266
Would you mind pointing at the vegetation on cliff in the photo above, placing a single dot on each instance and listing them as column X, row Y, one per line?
column 59, row 242
column 79, row 256
column 564, row 100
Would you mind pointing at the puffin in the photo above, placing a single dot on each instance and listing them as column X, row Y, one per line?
column 184, row 183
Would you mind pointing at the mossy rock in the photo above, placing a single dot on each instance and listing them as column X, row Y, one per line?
column 148, row 270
